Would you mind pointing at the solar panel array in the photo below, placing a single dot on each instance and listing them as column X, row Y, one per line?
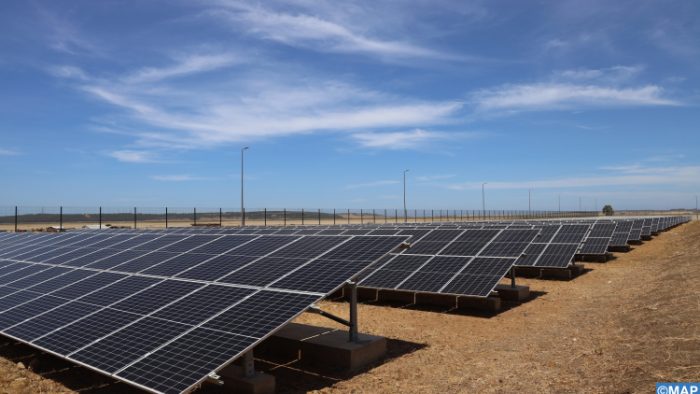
column 467, row 262
column 598, row 239
column 162, row 311
column 556, row 246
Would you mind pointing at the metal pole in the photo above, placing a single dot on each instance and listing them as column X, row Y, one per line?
column 166, row 217
column 348, row 215
column 221, row 214
column 374, row 217
column 16, row 218
column 60, row 219
column 242, row 204
column 405, row 214
column 334, row 216
column 385, row 217
column 483, row 197
column 100, row 218
column 362, row 220
column 302, row 216
column 265, row 217
column 353, row 311
column 319, row 216
column 134, row 217
column 285, row 216
column 432, row 215
column 194, row 216
column 396, row 215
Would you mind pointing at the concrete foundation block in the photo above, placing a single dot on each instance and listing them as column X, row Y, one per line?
column 517, row 293
column 237, row 382
column 486, row 304
column 327, row 348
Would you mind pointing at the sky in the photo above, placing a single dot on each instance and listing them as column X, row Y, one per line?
column 148, row 103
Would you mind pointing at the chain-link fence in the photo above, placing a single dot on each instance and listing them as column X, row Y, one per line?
column 25, row 218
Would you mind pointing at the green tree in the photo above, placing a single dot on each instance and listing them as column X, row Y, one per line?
column 608, row 210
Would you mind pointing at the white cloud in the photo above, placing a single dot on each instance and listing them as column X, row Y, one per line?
column 188, row 65
column 399, row 139
column 261, row 106
column 626, row 176
column 552, row 96
column 175, row 178
column 8, row 152
column 372, row 184
column 315, row 32
column 133, row 156
column 614, row 74
column 70, row 72
column 432, row 178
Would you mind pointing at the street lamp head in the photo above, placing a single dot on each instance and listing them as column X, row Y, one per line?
column 245, row 148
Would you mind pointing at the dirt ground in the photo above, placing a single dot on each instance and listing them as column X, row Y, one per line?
column 619, row 328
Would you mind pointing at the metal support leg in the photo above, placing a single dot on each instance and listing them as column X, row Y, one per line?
column 512, row 277
column 248, row 364
column 352, row 286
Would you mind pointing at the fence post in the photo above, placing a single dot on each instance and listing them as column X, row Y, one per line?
column 194, row 216
column 319, row 216
column 60, row 219
column 265, row 217
column 15, row 218
column 166, row 217
column 100, row 219
column 134, row 217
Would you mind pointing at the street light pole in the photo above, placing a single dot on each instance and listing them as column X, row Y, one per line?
column 245, row 148
column 559, row 198
column 405, row 212
column 483, row 198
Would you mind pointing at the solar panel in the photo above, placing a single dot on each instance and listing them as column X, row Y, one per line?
column 598, row 239
column 458, row 262
column 161, row 312
column 559, row 251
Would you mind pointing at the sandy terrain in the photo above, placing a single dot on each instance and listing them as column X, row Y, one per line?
column 619, row 328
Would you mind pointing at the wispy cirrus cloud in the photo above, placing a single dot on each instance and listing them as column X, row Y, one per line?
column 398, row 140
column 576, row 88
column 310, row 29
column 372, row 184
column 255, row 106
column 133, row 156
column 187, row 65
column 176, row 178
column 9, row 152
column 633, row 175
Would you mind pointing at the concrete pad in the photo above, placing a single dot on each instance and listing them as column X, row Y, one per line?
column 486, row 304
column 234, row 379
column 327, row 348
column 446, row 300
column 513, row 293
column 407, row 297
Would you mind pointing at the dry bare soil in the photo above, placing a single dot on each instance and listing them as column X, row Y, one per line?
column 618, row 328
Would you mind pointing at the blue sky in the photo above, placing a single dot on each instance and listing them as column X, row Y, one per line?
column 123, row 103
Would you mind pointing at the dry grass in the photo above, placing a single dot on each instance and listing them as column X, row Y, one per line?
column 619, row 328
